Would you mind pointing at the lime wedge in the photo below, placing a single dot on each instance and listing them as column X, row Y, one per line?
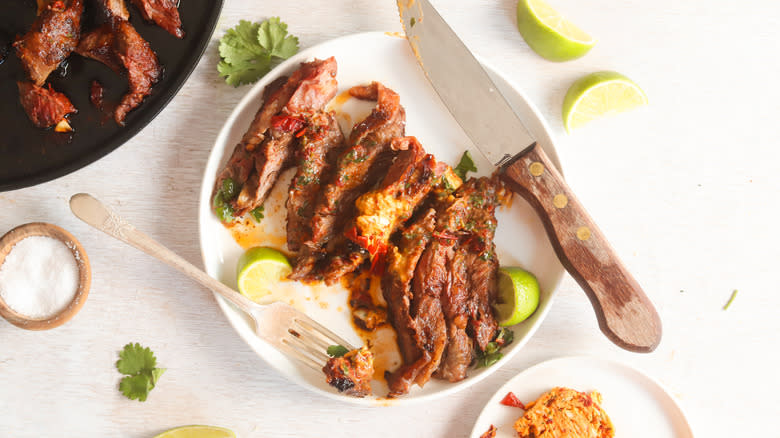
column 518, row 296
column 259, row 271
column 597, row 95
column 197, row 432
column 549, row 34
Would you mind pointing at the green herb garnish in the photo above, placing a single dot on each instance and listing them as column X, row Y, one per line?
column 257, row 213
column 141, row 373
column 337, row 350
column 492, row 353
column 465, row 166
column 250, row 50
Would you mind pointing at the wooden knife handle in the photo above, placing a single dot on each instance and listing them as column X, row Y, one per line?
column 625, row 314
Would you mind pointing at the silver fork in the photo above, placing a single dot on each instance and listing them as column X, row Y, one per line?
column 286, row 328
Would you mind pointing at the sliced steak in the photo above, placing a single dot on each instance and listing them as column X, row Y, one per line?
column 140, row 62
column 98, row 44
column 317, row 151
column 397, row 290
column 383, row 210
column 53, row 36
column 163, row 13
column 266, row 149
column 358, row 168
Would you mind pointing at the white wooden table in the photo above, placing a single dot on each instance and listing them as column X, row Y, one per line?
column 686, row 189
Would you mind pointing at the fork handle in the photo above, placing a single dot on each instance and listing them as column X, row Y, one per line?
column 625, row 314
column 96, row 214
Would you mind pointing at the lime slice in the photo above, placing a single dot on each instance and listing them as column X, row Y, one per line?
column 597, row 95
column 518, row 296
column 550, row 35
column 259, row 270
column 197, row 432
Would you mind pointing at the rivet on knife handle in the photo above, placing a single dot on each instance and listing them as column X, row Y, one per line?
column 625, row 314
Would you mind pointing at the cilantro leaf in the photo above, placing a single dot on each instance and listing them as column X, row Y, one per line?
column 465, row 166
column 140, row 367
column 337, row 350
column 257, row 213
column 155, row 375
column 134, row 359
column 136, row 387
column 249, row 50
column 273, row 36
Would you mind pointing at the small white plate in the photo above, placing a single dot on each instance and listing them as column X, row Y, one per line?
column 362, row 58
column 637, row 404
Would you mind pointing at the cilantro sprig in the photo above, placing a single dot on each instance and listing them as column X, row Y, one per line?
column 492, row 353
column 337, row 350
column 250, row 50
column 465, row 166
column 141, row 373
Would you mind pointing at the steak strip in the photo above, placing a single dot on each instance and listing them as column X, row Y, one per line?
column 53, row 36
column 265, row 149
column 164, row 13
column 382, row 211
column 358, row 169
column 318, row 148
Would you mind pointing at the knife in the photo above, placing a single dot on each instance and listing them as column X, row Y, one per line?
column 625, row 314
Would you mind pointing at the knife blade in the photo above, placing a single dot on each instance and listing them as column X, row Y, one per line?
column 463, row 85
column 625, row 314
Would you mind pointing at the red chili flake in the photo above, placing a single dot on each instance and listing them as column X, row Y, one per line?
column 287, row 123
column 378, row 259
column 510, row 399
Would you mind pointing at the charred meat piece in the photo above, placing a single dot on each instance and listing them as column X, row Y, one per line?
column 465, row 231
column 99, row 45
column 114, row 8
column 44, row 106
column 482, row 261
column 351, row 373
column 359, row 167
column 266, row 148
column 397, row 290
column 164, row 13
column 52, row 38
column 318, row 147
column 119, row 46
column 381, row 212
column 140, row 61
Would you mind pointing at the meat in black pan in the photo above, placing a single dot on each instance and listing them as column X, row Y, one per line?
column 359, row 167
column 44, row 106
column 164, row 13
column 113, row 8
column 53, row 36
column 140, row 62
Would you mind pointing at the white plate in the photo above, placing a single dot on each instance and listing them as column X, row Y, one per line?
column 638, row 405
column 362, row 58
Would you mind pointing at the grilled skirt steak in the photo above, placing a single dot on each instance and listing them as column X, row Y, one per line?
column 318, row 148
column 164, row 13
column 358, row 168
column 266, row 148
column 140, row 62
column 382, row 211
column 52, row 38
column 397, row 290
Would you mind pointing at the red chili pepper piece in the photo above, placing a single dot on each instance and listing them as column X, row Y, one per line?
column 511, row 400
column 287, row 123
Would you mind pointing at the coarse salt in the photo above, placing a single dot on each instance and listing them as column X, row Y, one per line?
column 39, row 277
